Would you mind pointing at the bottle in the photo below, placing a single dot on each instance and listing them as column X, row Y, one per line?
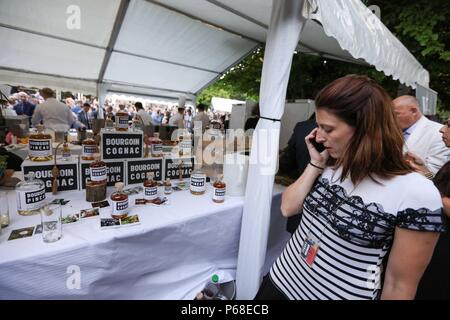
column 122, row 120
column 66, row 150
column 89, row 147
column 156, row 146
column 98, row 171
column 150, row 187
column 109, row 123
column 40, row 145
column 137, row 125
column 30, row 195
column 167, row 186
column 185, row 144
column 198, row 182
column 219, row 190
column 212, row 289
column 119, row 202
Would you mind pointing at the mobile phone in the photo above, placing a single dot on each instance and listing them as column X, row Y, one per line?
column 319, row 146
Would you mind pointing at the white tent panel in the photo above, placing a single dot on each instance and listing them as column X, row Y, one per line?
column 163, row 94
column 318, row 42
column 209, row 12
column 15, row 78
column 26, row 51
column 362, row 34
column 58, row 18
column 258, row 10
column 128, row 69
column 147, row 28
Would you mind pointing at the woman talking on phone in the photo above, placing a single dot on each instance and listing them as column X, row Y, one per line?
column 360, row 201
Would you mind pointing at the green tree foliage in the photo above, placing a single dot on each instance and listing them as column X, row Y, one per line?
column 421, row 25
column 240, row 82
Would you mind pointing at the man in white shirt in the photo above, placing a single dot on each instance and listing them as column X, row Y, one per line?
column 201, row 117
column 178, row 119
column 142, row 114
column 54, row 115
column 421, row 135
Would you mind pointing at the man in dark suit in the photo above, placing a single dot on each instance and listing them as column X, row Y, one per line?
column 294, row 159
column 84, row 116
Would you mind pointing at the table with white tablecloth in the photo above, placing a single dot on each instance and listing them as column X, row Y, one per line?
column 171, row 254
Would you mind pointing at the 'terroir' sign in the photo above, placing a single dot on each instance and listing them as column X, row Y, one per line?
column 117, row 145
column 137, row 170
column 171, row 168
column 115, row 173
column 67, row 180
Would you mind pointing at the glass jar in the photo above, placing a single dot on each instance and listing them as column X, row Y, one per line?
column 66, row 155
column 122, row 120
column 168, row 186
column 98, row 171
column 40, row 145
column 109, row 123
column 30, row 195
column 89, row 147
column 150, row 187
column 198, row 182
column 185, row 145
column 119, row 202
column 137, row 125
column 219, row 190
column 156, row 147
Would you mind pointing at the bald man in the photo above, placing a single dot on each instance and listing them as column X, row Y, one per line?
column 422, row 136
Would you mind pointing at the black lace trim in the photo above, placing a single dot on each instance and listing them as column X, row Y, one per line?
column 363, row 224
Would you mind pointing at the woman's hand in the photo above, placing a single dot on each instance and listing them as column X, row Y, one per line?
column 416, row 163
column 318, row 159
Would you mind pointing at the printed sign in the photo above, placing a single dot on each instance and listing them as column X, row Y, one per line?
column 137, row 170
column 171, row 167
column 121, row 145
column 67, row 180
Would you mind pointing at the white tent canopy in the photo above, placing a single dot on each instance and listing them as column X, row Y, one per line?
column 170, row 47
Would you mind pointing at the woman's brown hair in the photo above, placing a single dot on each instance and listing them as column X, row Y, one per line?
column 376, row 146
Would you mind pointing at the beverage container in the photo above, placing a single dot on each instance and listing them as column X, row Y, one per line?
column 51, row 222
column 40, row 145
column 119, row 202
column 30, row 195
column 89, row 147
column 150, row 187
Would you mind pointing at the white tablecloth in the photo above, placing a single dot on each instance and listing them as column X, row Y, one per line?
column 170, row 255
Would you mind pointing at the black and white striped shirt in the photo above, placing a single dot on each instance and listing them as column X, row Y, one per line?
column 355, row 228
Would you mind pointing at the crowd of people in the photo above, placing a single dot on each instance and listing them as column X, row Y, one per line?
column 61, row 115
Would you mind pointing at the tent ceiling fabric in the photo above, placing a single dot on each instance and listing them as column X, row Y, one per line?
column 144, row 72
column 156, row 32
column 178, row 45
column 52, row 17
column 27, row 51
